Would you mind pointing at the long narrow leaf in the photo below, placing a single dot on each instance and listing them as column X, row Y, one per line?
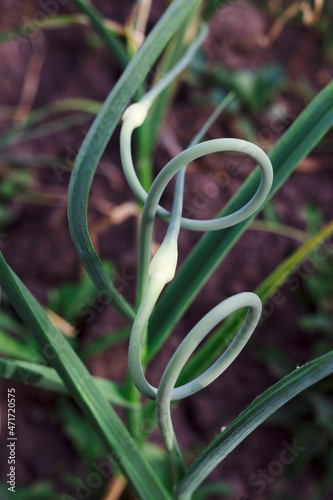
column 23, row 135
column 47, row 378
column 261, row 408
column 98, row 23
column 105, row 342
column 53, row 107
column 99, row 135
column 62, row 21
column 296, row 143
column 118, row 442
column 10, row 346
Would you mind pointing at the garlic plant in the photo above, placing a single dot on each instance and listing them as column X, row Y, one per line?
column 67, row 373
column 155, row 273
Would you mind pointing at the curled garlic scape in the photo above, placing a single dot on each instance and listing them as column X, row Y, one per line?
column 154, row 273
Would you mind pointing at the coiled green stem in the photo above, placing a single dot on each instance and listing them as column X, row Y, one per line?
column 155, row 273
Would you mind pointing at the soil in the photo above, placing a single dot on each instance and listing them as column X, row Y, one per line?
column 39, row 248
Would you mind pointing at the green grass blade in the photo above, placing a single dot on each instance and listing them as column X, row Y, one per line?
column 10, row 324
column 10, row 346
column 27, row 161
column 54, row 107
column 26, row 30
column 98, row 23
column 44, row 377
column 22, row 135
column 281, row 273
column 223, row 335
column 261, row 408
column 117, row 440
column 99, row 135
column 303, row 135
column 105, row 342
column 91, row 16
column 23, row 130
column 211, row 8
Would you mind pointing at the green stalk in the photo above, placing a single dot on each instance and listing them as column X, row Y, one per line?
column 223, row 335
column 167, row 392
column 219, row 340
column 148, row 133
column 307, row 130
column 280, row 229
column 98, row 23
column 154, row 274
column 130, row 123
column 98, row 137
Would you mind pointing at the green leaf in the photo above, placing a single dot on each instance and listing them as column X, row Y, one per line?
column 313, row 218
column 255, row 89
column 157, row 457
column 24, row 130
column 117, row 440
column 98, row 136
column 45, row 377
column 10, row 346
column 98, row 23
column 280, row 274
column 37, row 491
column 52, row 108
column 261, row 408
column 28, row 29
column 216, row 488
column 105, row 342
column 7, row 215
column 323, row 407
column 20, row 35
column 16, row 182
column 317, row 322
column 10, row 324
column 270, row 213
column 74, row 301
column 212, row 7
column 296, row 143
column 25, row 160
column 82, row 436
column 20, row 135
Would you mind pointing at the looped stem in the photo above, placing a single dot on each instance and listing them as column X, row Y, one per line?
column 166, row 392
column 154, row 274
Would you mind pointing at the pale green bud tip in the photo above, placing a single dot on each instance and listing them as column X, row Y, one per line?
column 136, row 113
column 165, row 261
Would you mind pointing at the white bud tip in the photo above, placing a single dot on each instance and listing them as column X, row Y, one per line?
column 136, row 113
column 165, row 261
